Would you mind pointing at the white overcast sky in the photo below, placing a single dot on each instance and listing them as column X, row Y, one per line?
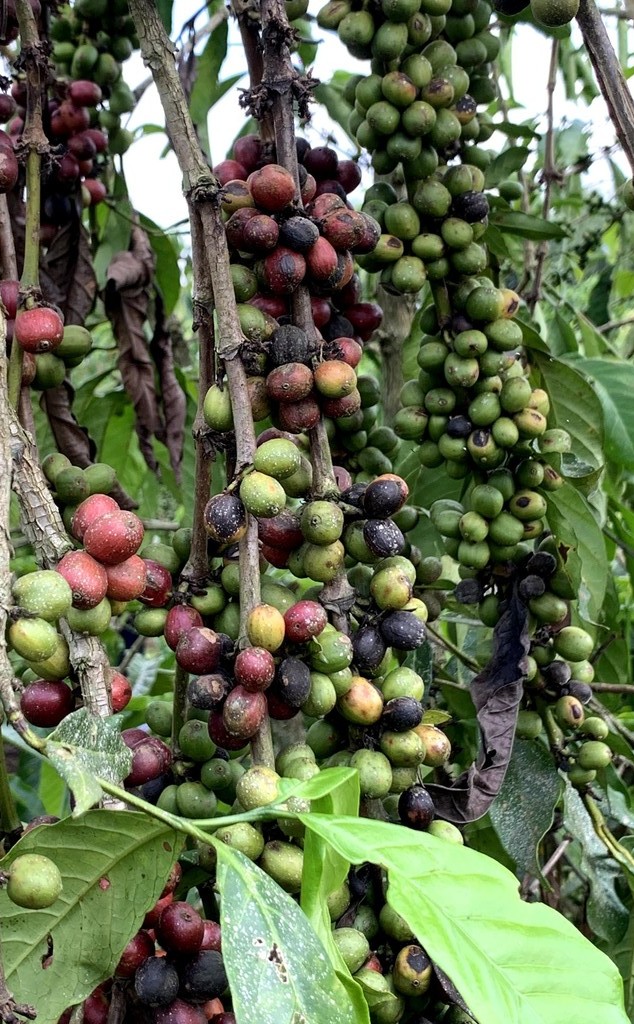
column 154, row 182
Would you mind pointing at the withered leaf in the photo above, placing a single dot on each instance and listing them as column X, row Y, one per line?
column 496, row 694
column 66, row 274
column 127, row 301
column 173, row 398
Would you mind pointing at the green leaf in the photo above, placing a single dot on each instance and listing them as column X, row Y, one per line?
column 533, row 783
column 516, row 131
column 509, row 161
column 325, row 870
column 114, row 865
column 278, row 970
column 524, row 225
column 208, row 67
column 167, row 276
column 83, row 748
column 532, row 338
column 572, row 521
column 594, row 343
column 574, row 406
column 511, row 961
column 623, row 955
column 614, row 385
column 606, row 913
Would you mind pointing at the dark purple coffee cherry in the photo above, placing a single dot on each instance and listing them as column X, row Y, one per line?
column 156, row 982
column 401, row 714
column 368, row 648
column 292, row 681
column 416, row 808
column 202, row 977
column 383, row 537
column 582, row 691
column 530, row 587
column 543, row 564
column 354, row 495
column 209, row 691
column 403, row 630
column 459, row 426
column 298, row 233
column 382, row 498
column 470, row 206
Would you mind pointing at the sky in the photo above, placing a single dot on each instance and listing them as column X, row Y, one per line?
column 154, row 182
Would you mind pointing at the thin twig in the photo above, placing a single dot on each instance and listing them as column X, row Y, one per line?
column 464, row 658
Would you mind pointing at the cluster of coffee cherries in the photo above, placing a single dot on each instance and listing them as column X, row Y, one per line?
column 92, row 40
column 49, row 348
column 171, row 971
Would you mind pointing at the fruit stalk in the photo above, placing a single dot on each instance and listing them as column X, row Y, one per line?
column 9, row 820
column 278, row 69
column 35, row 144
column 609, row 76
column 197, row 565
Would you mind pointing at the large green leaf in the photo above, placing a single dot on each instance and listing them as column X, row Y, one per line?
column 574, row 406
column 278, row 970
column 325, row 870
column 533, row 784
column 614, row 384
column 113, row 865
column 572, row 521
column 607, row 915
column 512, row 962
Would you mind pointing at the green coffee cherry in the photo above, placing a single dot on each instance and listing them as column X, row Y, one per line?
column 283, row 862
column 375, row 773
column 353, row 946
column 242, row 837
column 594, row 754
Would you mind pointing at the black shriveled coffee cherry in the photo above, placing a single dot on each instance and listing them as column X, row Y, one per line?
column 459, row 426
column 292, row 681
column 468, row 592
column 470, row 206
column 530, row 587
column 542, row 563
column 382, row 498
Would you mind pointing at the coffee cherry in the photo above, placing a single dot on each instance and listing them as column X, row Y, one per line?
column 416, row 808
column 594, row 754
column 156, row 982
column 46, row 703
column 87, row 579
column 383, row 537
column 293, row 681
column 38, row 330
column 254, row 668
column 180, row 929
column 113, row 537
column 137, row 951
column 413, row 971
column 202, row 977
column 225, row 518
column 266, row 627
column 35, row 882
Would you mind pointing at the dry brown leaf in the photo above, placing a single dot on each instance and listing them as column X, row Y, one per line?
column 173, row 399
column 127, row 301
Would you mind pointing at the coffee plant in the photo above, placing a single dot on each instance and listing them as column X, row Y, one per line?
column 317, row 545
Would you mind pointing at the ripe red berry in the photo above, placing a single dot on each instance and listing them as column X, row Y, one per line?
column 180, row 619
column 92, row 508
column 180, row 929
column 158, row 584
column 304, row 620
column 114, row 537
column 138, row 949
column 38, row 330
column 120, row 691
column 127, row 580
column 254, row 668
column 86, row 577
column 47, row 702
column 199, row 650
